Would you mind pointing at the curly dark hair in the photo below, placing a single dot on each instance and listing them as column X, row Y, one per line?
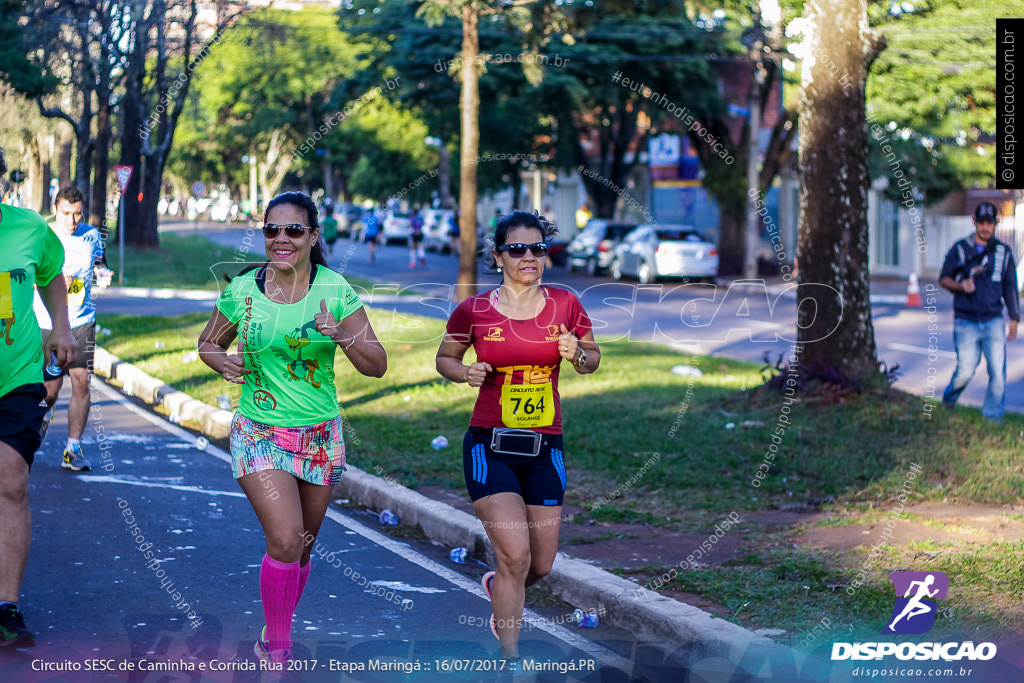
column 302, row 201
column 516, row 219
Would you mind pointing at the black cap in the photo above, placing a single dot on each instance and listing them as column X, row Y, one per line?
column 986, row 213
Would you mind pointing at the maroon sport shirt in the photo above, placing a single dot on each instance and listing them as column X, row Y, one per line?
column 523, row 389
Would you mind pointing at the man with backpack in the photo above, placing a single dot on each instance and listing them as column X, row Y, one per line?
column 981, row 272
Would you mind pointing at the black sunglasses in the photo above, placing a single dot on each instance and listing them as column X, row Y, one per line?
column 272, row 230
column 518, row 249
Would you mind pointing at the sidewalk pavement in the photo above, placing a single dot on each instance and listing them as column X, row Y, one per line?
column 645, row 613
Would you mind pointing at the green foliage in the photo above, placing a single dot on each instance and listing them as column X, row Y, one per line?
column 394, row 156
column 935, row 83
column 277, row 78
column 16, row 68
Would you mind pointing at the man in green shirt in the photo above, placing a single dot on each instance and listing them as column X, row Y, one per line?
column 30, row 255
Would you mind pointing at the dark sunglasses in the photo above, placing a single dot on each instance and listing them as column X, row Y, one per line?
column 518, row 249
column 272, row 230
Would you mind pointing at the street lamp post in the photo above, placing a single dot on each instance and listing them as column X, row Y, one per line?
column 253, row 182
column 443, row 170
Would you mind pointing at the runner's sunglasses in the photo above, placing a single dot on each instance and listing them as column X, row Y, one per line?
column 272, row 230
column 518, row 249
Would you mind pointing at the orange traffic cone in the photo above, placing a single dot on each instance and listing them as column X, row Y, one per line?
column 913, row 291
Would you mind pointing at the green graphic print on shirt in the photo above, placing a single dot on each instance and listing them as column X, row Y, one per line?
column 292, row 379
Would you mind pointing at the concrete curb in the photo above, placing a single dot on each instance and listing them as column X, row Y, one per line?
column 214, row 422
column 626, row 605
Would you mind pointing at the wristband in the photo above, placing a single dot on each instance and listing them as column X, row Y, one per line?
column 354, row 339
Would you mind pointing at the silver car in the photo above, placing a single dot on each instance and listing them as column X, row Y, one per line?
column 654, row 251
column 594, row 247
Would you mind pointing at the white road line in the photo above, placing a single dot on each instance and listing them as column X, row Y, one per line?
column 406, row 552
column 896, row 346
column 106, row 479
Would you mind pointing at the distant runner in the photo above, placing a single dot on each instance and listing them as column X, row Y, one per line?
column 84, row 266
column 416, row 239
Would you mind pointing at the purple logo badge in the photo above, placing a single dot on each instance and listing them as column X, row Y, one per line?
column 915, row 607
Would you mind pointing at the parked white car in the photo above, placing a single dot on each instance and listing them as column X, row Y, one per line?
column 655, row 251
column 223, row 210
column 395, row 227
column 435, row 230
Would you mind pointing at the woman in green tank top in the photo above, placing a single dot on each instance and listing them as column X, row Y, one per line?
column 290, row 315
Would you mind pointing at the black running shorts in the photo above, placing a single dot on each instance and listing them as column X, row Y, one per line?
column 539, row 479
column 21, row 419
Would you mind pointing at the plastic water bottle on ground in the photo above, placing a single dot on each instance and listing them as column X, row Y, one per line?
column 224, row 402
column 584, row 619
column 458, row 555
column 202, row 443
column 388, row 517
column 439, row 442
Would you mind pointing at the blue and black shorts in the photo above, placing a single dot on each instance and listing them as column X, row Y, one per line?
column 538, row 479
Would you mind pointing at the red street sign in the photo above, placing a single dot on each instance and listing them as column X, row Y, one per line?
column 124, row 174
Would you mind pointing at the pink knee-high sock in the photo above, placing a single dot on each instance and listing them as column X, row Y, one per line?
column 303, row 577
column 279, row 588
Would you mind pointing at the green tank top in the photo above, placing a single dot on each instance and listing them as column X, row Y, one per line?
column 292, row 380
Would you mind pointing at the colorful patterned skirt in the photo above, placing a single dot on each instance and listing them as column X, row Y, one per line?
column 315, row 453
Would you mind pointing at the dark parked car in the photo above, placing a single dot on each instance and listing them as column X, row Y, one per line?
column 594, row 247
column 558, row 253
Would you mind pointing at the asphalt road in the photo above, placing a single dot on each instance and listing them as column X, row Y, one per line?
column 97, row 600
column 742, row 323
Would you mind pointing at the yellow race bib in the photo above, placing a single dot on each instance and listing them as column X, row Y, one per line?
column 76, row 291
column 526, row 406
column 6, row 296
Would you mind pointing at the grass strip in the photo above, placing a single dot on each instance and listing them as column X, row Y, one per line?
column 838, row 458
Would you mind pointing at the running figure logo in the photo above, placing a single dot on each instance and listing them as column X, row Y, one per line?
column 914, row 613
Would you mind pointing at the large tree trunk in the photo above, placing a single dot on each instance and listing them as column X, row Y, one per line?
column 732, row 237
column 64, row 164
column 517, row 187
column 470, row 109
column 834, row 315
column 614, row 143
column 277, row 165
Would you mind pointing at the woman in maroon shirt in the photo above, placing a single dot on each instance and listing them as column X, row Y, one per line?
column 512, row 454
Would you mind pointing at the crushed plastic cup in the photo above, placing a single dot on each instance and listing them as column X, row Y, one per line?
column 584, row 619
column 458, row 555
column 439, row 442
column 224, row 402
column 190, row 357
column 159, row 345
column 53, row 369
column 730, row 425
column 202, row 443
column 686, row 371
column 388, row 518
